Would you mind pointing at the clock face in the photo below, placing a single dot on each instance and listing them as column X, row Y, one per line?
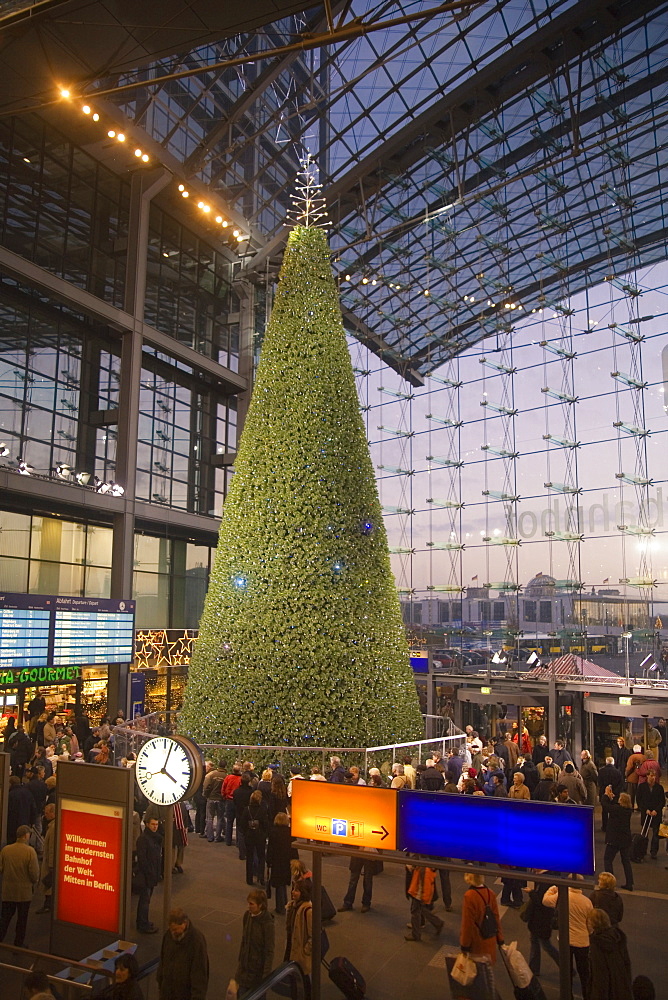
column 165, row 770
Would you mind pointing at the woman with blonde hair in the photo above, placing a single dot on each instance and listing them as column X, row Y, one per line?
column 473, row 938
column 605, row 898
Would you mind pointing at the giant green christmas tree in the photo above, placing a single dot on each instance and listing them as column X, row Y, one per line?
column 301, row 639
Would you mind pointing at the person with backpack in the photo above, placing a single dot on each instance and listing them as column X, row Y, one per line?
column 212, row 790
column 480, row 930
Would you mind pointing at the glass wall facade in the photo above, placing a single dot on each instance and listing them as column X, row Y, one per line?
column 524, row 487
column 54, row 555
column 188, row 290
column 62, row 209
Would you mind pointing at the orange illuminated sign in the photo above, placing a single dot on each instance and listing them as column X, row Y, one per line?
column 344, row 814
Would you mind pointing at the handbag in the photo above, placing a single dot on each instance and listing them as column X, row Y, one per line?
column 464, row 969
column 517, row 966
column 663, row 829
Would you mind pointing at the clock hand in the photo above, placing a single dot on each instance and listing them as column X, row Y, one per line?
column 168, row 775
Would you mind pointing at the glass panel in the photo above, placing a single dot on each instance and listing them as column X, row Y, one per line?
column 98, row 545
column 14, row 535
column 13, row 575
column 151, row 592
column 55, row 578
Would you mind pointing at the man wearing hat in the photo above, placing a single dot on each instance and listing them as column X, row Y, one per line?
column 295, row 775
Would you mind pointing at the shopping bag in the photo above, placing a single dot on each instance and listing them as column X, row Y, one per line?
column 663, row 829
column 464, row 969
column 518, row 968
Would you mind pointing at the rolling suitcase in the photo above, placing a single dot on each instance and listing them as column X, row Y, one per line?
column 639, row 842
column 347, row 978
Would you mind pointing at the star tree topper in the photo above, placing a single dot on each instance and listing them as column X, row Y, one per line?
column 308, row 205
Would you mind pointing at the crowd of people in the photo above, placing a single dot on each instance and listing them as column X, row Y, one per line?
column 248, row 809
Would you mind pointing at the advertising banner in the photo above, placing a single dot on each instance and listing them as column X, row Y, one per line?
column 89, row 864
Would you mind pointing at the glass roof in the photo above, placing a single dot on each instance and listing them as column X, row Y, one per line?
column 478, row 165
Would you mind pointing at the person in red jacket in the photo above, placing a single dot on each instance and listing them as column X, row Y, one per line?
column 422, row 890
column 476, row 899
column 227, row 790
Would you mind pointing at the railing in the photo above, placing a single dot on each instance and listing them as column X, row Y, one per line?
column 130, row 736
column 288, row 971
column 69, row 989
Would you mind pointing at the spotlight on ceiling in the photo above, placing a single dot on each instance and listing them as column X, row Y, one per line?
column 4, row 450
column 83, row 478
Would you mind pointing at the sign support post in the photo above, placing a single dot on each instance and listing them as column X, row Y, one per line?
column 565, row 980
column 316, row 925
column 167, row 870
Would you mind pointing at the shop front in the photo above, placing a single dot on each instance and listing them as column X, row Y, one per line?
column 67, row 690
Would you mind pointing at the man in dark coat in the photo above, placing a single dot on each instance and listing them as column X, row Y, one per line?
column 651, row 800
column 338, row 775
column 21, row 751
column 183, row 972
column 526, row 766
column 608, row 775
column 430, row 779
column 149, row 854
column 240, row 799
column 21, row 808
column 621, row 754
column 37, row 787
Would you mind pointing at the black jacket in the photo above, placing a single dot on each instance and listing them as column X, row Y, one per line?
column 21, row 810
column 653, row 799
column 610, row 775
column 183, row 972
column 542, row 790
column 610, row 966
column 530, row 772
column 431, row 780
column 618, row 832
column 540, row 917
column 254, row 813
column 241, row 798
column 279, row 851
column 149, row 854
column 21, row 749
column 621, row 756
column 611, row 902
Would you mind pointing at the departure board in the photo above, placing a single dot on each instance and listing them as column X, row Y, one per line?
column 39, row 631
column 24, row 637
column 93, row 637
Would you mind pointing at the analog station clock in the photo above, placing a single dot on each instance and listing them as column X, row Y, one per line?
column 168, row 769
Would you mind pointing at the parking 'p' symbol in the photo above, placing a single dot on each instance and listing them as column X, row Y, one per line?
column 339, row 827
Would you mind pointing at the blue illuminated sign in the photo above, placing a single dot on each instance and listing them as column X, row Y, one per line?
column 507, row 832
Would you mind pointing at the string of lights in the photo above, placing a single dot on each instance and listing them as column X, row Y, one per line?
column 122, row 137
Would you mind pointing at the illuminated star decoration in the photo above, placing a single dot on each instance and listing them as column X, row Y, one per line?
column 308, row 204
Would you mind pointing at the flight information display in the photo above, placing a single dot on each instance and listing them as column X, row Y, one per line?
column 39, row 631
